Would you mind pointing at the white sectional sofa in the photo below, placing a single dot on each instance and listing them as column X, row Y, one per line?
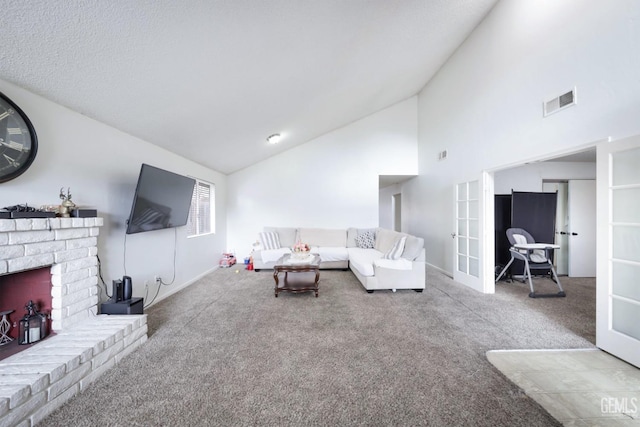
column 349, row 249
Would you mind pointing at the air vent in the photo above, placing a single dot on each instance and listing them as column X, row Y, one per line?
column 560, row 102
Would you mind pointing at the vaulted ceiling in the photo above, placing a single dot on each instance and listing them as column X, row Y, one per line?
column 211, row 79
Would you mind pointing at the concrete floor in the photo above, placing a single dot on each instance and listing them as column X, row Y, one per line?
column 577, row 387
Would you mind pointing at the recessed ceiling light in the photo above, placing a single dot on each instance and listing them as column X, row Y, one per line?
column 274, row 139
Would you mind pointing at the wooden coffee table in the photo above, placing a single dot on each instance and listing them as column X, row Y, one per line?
column 303, row 280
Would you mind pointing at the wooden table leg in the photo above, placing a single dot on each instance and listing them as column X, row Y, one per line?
column 275, row 277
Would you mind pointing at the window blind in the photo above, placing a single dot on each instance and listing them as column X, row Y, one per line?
column 201, row 212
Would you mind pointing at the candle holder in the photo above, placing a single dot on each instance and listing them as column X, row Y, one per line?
column 5, row 327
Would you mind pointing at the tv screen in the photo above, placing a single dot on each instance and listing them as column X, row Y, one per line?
column 162, row 200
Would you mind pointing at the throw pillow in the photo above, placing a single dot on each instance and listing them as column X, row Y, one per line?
column 366, row 240
column 396, row 251
column 269, row 240
column 413, row 247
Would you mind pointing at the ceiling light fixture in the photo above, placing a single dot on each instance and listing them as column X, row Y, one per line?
column 274, row 139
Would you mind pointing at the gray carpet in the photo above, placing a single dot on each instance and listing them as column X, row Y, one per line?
column 224, row 351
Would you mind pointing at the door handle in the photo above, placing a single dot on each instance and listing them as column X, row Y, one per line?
column 574, row 234
column 563, row 233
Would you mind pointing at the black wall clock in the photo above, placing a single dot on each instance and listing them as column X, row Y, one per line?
column 18, row 141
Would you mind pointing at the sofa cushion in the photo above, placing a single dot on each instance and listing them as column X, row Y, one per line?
column 366, row 239
column 323, row 237
column 351, row 237
column 287, row 235
column 362, row 260
column 385, row 239
column 329, row 254
column 413, row 247
column 269, row 240
column 396, row 251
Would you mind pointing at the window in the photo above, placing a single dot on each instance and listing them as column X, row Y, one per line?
column 202, row 213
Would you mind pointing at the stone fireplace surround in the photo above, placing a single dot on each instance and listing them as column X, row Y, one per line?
column 36, row 381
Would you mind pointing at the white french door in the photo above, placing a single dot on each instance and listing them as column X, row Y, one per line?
column 618, row 265
column 467, row 260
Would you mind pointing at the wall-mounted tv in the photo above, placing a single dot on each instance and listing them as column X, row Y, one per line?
column 162, row 200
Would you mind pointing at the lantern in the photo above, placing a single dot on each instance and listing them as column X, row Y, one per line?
column 33, row 326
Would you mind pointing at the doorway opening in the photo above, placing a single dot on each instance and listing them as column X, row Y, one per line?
column 390, row 200
column 397, row 211
column 573, row 178
column 545, row 175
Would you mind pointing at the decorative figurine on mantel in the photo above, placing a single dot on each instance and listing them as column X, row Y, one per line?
column 67, row 205
column 5, row 327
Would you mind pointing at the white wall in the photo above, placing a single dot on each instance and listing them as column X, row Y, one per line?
column 530, row 177
column 101, row 164
column 485, row 104
column 330, row 182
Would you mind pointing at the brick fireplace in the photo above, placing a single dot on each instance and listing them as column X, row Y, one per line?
column 37, row 380
column 70, row 247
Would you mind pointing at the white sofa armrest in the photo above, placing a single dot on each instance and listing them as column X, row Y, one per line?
column 393, row 264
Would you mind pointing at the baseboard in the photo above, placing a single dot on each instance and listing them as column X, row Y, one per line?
column 184, row 285
column 438, row 269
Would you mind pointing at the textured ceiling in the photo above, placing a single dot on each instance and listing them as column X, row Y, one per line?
column 210, row 80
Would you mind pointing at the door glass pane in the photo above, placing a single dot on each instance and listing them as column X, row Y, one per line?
column 626, row 243
column 625, row 280
column 462, row 246
column 462, row 227
column 462, row 263
column 474, row 267
column 462, row 209
column 473, row 209
column 462, row 191
column 474, row 247
column 473, row 228
column 473, row 190
column 625, row 167
column 626, row 205
column 626, row 317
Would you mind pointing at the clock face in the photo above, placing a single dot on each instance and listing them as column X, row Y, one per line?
column 18, row 142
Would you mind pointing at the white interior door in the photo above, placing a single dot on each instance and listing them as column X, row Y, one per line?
column 582, row 228
column 618, row 265
column 467, row 235
column 561, row 256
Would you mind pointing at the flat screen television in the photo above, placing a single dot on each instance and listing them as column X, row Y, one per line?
column 162, row 200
